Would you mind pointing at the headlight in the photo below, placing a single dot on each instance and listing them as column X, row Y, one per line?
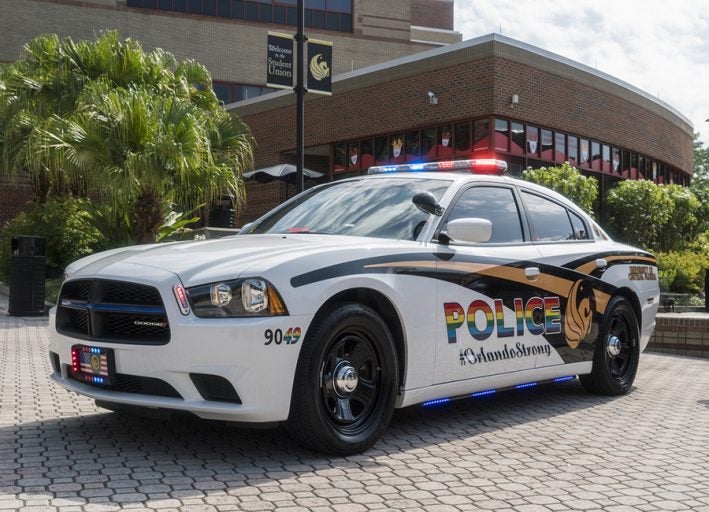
column 237, row 298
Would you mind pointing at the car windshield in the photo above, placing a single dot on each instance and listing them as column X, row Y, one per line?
column 379, row 208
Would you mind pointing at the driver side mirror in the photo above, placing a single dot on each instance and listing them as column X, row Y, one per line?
column 471, row 230
column 426, row 202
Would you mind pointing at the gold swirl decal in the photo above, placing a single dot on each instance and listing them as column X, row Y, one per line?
column 318, row 67
column 578, row 315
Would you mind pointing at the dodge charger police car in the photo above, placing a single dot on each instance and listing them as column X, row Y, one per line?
column 416, row 284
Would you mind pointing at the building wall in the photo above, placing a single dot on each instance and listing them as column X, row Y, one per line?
column 232, row 50
column 562, row 103
column 432, row 13
column 550, row 96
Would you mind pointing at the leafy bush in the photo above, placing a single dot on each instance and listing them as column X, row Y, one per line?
column 567, row 181
column 683, row 223
column 657, row 217
column 682, row 272
column 65, row 224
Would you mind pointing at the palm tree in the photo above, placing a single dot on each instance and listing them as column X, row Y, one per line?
column 137, row 129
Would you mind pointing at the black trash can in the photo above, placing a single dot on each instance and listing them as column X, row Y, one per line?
column 28, row 269
column 223, row 214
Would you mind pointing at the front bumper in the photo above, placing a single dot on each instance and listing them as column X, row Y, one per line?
column 234, row 349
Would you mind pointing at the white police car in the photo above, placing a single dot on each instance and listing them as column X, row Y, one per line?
column 357, row 297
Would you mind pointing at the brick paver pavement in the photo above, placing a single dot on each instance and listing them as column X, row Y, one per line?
column 549, row 448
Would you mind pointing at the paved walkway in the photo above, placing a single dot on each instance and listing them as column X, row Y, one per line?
column 550, row 448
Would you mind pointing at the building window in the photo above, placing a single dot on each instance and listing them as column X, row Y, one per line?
column 606, row 158
column 615, row 162
column 573, row 144
column 625, row 166
column 537, row 147
column 482, row 135
column 396, row 149
column 428, row 144
column 516, row 138
column 445, row 142
column 502, row 135
column 532, row 140
column 584, row 154
column 333, row 15
column 462, row 138
column 560, row 147
column 412, row 146
column 595, row 156
column 229, row 92
column 547, row 145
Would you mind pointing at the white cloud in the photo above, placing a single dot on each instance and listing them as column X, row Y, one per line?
column 660, row 47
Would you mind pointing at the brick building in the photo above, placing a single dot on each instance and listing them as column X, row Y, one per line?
column 489, row 97
column 229, row 36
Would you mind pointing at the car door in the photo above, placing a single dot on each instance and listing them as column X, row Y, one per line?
column 566, row 249
column 492, row 317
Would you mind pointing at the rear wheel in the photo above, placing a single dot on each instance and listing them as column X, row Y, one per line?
column 617, row 352
column 345, row 384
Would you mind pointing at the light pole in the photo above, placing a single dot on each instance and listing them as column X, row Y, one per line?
column 300, row 99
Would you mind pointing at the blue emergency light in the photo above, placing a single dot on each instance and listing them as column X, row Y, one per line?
column 477, row 166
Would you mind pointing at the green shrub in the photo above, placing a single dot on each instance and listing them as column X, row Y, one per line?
column 65, row 224
column 567, row 181
column 656, row 217
column 681, row 271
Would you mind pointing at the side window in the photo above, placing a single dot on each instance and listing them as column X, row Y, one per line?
column 549, row 220
column 495, row 204
column 580, row 230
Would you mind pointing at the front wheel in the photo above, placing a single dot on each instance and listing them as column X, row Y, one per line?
column 615, row 360
column 345, row 384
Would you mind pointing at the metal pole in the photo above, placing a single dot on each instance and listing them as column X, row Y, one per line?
column 300, row 95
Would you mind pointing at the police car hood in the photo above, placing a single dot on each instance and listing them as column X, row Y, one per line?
column 225, row 258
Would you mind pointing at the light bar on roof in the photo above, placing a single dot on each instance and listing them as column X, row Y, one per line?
column 477, row 166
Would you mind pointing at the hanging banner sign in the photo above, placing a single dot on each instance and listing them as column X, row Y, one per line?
column 319, row 66
column 279, row 61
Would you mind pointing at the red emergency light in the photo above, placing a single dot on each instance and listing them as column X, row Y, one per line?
column 476, row 166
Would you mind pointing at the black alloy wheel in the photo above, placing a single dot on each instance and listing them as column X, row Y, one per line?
column 350, row 381
column 617, row 352
column 346, row 382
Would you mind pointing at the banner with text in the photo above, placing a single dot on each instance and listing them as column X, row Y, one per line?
column 319, row 66
column 279, row 63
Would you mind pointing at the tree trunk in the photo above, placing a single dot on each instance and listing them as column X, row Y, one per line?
column 148, row 216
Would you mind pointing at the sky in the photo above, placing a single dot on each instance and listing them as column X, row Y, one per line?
column 658, row 46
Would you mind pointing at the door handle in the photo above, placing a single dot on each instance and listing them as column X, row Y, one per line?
column 531, row 273
column 601, row 263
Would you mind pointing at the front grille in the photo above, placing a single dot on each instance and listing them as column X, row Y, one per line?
column 118, row 292
column 112, row 311
column 77, row 290
column 79, row 321
column 127, row 327
column 138, row 385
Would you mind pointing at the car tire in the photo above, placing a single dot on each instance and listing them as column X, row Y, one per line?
column 346, row 381
column 617, row 352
